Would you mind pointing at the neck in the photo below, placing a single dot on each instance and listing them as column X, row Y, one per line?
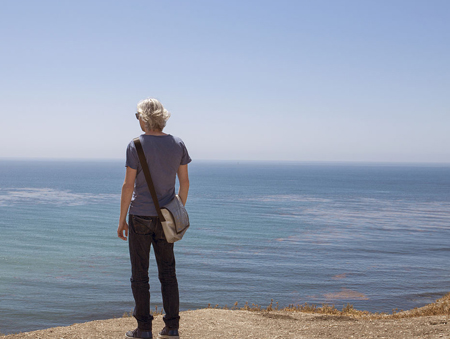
column 154, row 132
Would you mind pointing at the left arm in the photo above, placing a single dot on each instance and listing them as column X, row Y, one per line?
column 125, row 200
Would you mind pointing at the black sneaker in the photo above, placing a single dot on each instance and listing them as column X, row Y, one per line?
column 137, row 333
column 169, row 333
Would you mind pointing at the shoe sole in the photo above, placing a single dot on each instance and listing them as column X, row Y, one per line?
column 127, row 337
column 168, row 336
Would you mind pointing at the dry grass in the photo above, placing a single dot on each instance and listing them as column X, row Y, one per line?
column 440, row 307
column 154, row 313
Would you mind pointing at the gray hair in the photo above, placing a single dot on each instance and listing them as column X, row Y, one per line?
column 152, row 112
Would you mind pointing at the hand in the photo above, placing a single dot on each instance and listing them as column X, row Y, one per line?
column 123, row 227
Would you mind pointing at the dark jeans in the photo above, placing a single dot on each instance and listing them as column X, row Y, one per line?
column 144, row 232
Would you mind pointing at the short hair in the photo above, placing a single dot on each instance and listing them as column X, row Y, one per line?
column 153, row 113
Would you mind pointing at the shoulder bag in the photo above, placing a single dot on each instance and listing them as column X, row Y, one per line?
column 173, row 216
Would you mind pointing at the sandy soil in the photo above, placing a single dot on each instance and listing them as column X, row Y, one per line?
column 219, row 323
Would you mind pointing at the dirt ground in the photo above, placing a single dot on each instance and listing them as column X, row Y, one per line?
column 219, row 323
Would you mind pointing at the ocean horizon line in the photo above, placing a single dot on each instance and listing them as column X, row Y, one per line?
column 247, row 161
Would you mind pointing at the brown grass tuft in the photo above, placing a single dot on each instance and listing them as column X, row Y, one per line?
column 154, row 313
column 440, row 307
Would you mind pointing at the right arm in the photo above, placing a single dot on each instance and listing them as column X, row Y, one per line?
column 183, row 178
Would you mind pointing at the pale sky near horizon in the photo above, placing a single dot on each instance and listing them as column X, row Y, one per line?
column 317, row 80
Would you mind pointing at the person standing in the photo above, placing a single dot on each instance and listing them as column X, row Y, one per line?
column 167, row 158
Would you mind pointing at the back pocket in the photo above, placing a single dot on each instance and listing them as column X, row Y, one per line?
column 142, row 225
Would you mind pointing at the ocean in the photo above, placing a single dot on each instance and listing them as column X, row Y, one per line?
column 376, row 236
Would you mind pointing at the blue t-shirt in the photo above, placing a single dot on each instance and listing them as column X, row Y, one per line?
column 164, row 156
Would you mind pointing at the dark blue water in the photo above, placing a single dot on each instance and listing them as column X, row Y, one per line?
column 375, row 236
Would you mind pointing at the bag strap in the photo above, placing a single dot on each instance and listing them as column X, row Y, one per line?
column 148, row 177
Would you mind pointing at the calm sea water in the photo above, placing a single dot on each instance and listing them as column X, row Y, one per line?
column 375, row 236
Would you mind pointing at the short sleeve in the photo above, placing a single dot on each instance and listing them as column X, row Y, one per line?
column 185, row 159
column 132, row 159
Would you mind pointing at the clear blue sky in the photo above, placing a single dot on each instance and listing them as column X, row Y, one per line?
column 317, row 80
